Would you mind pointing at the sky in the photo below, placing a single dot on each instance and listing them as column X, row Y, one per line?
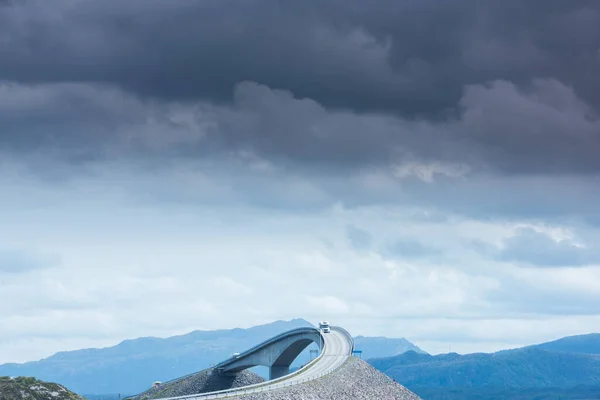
column 423, row 169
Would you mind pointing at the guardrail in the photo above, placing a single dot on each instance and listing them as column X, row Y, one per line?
column 348, row 335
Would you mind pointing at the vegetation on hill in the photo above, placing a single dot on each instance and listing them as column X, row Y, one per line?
column 21, row 388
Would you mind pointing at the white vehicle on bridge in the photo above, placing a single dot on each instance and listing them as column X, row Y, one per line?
column 324, row 327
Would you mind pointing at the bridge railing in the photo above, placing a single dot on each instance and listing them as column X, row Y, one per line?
column 348, row 335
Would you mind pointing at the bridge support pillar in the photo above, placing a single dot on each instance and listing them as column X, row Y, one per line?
column 277, row 371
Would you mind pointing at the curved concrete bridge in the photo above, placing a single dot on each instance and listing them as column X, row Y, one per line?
column 278, row 353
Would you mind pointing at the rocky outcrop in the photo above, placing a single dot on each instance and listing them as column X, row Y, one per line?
column 22, row 388
column 355, row 380
column 208, row 380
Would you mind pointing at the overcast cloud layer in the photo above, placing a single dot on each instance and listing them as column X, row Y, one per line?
column 410, row 168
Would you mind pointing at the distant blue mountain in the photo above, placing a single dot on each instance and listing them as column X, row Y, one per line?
column 131, row 366
column 376, row 347
column 584, row 344
column 568, row 364
column 525, row 368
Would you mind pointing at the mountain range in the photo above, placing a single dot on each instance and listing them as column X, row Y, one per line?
column 565, row 368
column 131, row 366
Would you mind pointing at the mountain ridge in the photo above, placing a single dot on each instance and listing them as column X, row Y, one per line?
column 533, row 369
column 583, row 344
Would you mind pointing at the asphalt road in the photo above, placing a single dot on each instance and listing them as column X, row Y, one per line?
column 336, row 350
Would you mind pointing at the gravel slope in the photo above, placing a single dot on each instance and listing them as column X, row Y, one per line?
column 355, row 380
column 208, row 380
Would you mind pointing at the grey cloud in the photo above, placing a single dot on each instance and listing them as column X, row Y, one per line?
column 79, row 123
column 411, row 57
column 64, row 116
column 544, row 128
column 520, row 298
column 520, row 134
column 531, row 247
column 92, row 122
column 243, row 150
column 359, row 238
column 482, row 88
column 194, row 50
column 411, row 248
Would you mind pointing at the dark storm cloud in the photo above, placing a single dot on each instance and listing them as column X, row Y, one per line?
column 410, row 56
column 63, row 115
column 542, row 128
column 531, row 247
column 192, row 50
column 82, row 119
column 503, row 85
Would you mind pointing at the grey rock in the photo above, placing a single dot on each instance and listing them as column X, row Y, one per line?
column 354, row 380
column 208, row 380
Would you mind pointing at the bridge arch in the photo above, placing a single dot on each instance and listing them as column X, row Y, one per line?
column 277, row 353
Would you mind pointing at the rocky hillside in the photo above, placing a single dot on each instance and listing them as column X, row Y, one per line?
column 204, row 381
column 22, row 388
column 356, row 380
